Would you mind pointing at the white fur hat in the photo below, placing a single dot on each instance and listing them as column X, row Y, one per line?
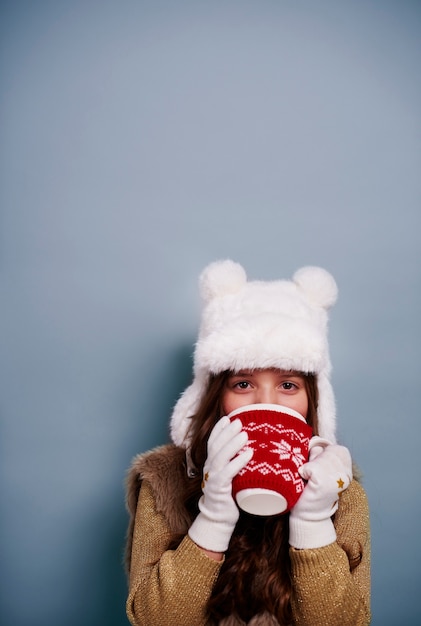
column 256, row 325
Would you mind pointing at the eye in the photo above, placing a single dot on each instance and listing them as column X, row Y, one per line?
column 242, row 384
column 288, row 385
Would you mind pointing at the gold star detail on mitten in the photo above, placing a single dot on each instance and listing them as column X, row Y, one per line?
column 205, row 478
column 340, row 483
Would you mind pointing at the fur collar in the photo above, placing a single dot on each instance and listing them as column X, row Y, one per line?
column 165, row 470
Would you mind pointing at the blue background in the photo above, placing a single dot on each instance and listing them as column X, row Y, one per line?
column 140, row 141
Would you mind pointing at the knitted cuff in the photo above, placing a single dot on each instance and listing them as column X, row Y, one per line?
column 305, row 534
column 210, row 535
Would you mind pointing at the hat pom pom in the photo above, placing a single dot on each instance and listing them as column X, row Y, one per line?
column 221, row 278
column 318, row 285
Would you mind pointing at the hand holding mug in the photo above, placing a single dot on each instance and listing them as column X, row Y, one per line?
column 213, row 527
column 328, row 473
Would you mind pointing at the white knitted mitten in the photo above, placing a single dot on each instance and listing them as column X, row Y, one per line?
column 329, row 473
column 214, row 525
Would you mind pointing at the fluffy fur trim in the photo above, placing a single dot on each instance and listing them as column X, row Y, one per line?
column 257, row 324
column 165, row 469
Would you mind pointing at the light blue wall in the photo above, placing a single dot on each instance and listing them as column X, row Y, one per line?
column 139, row 141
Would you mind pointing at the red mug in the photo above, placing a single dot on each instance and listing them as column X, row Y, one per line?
column 279, row 436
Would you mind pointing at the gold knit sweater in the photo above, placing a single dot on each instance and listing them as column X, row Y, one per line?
column 331, row 585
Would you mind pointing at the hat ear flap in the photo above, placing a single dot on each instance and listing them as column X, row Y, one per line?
column 185, row 407
column 326, row 409
column 220, row 279
column 318, row 285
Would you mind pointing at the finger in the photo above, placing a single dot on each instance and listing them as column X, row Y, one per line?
column 239, row 462
column 317, row 446
column 229, row 450
column 222, row 434
column 315, row 452
column 220, row 425
column 305, row 471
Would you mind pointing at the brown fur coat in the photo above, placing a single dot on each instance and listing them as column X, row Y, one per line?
column 165, row 469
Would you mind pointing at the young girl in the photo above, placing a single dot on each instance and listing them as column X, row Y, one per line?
column 194, row 558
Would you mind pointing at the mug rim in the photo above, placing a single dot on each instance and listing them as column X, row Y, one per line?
column 278, row 408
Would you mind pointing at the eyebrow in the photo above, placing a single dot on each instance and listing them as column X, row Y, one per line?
column 242, row 373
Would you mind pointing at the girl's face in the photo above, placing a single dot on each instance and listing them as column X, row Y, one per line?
column 269, row 386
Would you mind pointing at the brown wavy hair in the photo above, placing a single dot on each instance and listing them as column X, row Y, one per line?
column 256, row 574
